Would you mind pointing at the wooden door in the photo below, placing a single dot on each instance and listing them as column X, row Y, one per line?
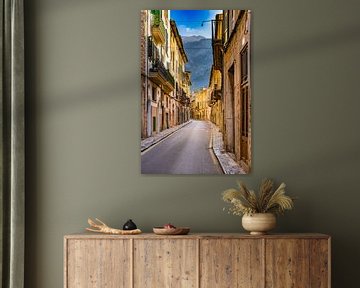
column 245, row 106
column 230, row 111
column 93, row 263
column 245, row 124
column 231, row 263
column 287, row 263
column 168, row 263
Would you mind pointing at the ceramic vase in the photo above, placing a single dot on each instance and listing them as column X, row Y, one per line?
column 259, row 223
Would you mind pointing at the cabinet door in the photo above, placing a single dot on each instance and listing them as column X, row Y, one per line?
column 297, row 263
column 98, row 263
column 231, row 263
column 167, row 263
column 287, row 263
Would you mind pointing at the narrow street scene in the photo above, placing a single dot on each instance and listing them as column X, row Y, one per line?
column 195, row 92
column 186, row 151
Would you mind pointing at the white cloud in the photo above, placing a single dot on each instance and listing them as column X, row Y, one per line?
column 204, row 30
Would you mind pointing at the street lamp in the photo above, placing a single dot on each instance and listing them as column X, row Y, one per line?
column 212, row 25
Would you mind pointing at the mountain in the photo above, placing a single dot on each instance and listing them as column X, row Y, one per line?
column 192, row 38
column 199, row 52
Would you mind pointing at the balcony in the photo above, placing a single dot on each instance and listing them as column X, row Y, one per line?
column 216, row 95
column 152, row 50
column 217, row 41
column 185, row 100
column 161, row 76
column 217, row 53
column 182, row 97
column 157, row 27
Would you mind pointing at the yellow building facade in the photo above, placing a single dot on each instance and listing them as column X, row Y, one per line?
column 200, row 104
column 163, row 59
column 181, row 93
column 229, row 82
column 215, row 81
column 236, row 85
column 215, row 102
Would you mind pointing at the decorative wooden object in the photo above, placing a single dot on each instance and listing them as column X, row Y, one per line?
column 100, row 227
column 197, row 261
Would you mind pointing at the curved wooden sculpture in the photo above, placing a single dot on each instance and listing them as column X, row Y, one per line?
column 101, row 227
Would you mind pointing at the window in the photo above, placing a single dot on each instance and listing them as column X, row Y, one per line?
column 154, row 124
column 166, row 43
column 154, row 93
column 173, row 60
column 244, row 62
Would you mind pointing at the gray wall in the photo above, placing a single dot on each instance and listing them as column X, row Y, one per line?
column 83, row 126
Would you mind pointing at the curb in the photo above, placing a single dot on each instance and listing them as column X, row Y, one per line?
column 227, row 163
column 157, row 140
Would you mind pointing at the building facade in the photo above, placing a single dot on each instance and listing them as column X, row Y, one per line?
column 215, row 101
column 236, row 85
column 163, row 58
column 200, row 107
column 230, row 81
column 181, row 94
column 215, row 82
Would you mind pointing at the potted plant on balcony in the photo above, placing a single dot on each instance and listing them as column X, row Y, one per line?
column 258, row 210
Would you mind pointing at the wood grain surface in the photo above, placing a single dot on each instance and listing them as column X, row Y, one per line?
column 287, row 263
column 319, row 263
column 229, row 263
column 98, row 263
column 197, row 261
column 165, row 263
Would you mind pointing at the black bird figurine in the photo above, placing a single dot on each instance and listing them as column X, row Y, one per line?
column 129, row 225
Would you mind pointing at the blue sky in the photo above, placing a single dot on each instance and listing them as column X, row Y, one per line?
column 189, row 21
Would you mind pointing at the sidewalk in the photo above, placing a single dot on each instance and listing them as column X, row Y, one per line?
column 227, row 163
column 150, row 141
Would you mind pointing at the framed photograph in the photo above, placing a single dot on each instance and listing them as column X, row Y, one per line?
column 195, row 91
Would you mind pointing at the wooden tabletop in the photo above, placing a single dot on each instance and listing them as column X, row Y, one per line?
column 89, row 235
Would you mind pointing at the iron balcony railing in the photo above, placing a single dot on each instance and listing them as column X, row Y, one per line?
column 152, row 50
column 217, row 42
column 216, row 95
column 159, row 67
column 217, row 53
column 184, row 99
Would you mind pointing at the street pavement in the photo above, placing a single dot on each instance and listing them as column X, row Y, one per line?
column 186, row 151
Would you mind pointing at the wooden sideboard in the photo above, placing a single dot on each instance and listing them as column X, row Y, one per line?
column 197, row 260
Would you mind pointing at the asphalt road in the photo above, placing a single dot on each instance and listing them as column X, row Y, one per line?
column 184, row 152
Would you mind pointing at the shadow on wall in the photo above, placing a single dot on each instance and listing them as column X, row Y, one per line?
column 335, row 212
column 312, row 212
column 123, row 88
column 318, row 42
